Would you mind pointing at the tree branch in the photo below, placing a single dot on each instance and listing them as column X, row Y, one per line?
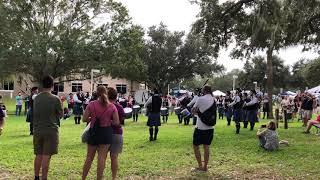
column 237, row 6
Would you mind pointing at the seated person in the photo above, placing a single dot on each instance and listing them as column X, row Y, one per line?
column 311, row 123
column 66, row 113
column 269, row 137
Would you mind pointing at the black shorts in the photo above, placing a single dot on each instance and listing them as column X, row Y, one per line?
column 202, row 137
column 102, row 137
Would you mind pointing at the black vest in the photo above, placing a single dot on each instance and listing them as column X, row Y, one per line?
column 156, row 104
column 239, row 104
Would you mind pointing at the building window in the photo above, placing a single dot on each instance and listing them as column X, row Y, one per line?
column 101, row 84
column 76, row 87
column 8, row 85
column 121, row 88
column 58, row 87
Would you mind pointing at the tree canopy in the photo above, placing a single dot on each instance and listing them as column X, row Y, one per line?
column 60, row 38
column 169, row 58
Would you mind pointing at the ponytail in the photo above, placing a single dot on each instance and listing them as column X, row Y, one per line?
column 102, row 94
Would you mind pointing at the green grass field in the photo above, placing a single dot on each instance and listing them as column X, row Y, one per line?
column 170, row 157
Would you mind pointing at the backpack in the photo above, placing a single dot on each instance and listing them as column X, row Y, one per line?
column 209, row 116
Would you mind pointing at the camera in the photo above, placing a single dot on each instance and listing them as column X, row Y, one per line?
column 264, row 126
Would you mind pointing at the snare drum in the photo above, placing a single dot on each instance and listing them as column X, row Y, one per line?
column 136, row 109
column 164, row 111
column 127, row 112
column 177, row 110
column 185, row 113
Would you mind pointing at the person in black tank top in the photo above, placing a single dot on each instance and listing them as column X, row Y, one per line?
column 154, row 103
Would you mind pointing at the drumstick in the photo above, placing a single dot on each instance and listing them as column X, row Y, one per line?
column 205, row 83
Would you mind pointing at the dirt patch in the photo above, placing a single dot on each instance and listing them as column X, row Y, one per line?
column 7, row 175
column 214, row 174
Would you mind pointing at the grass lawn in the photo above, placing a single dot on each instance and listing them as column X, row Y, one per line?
column 170, row 157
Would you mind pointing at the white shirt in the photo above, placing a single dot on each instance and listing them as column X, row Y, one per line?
column 76, row 99
column 253, row 101
column 203, row 103
column 194, row 100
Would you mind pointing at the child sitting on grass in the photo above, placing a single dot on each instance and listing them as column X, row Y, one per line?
column 311, row 123
column 269, row 137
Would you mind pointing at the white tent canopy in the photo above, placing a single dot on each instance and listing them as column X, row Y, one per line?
column 291, row 93
column 314, row 90
column 218, row 93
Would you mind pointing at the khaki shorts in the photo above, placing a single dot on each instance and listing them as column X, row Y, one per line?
column 307, row 114
column 46, row 144
column 117, row 144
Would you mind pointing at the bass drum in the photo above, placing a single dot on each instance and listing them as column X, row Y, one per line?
column 127, row 112
column 136, row 109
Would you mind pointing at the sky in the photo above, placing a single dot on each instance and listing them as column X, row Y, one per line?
column 179, row 15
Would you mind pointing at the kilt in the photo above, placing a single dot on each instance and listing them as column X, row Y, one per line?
column 154, row 119
column 77, row 109
column 220, row 110
column 252, row 116
column 228, row 113
column 237, row 115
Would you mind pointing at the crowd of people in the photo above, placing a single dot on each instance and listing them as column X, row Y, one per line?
column 105, row 112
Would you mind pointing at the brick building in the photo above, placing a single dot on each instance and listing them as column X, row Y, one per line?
column 12, row 86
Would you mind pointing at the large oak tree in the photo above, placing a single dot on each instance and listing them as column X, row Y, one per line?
column 58, row 37
column 259, row 25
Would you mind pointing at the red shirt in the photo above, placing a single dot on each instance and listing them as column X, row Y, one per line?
column 104, row 113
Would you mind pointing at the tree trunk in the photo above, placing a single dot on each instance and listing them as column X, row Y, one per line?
column 270, row 81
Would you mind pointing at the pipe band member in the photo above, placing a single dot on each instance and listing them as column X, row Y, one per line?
column 34, row 93
column 228, row 109
column 77, row 107
column 193, row 102
column 220, row 107
column 237, row 105
column 165, row 114
column 246, row 99
column 184, row 101
column 154, row 114
column 252, row 109
column 135, row 111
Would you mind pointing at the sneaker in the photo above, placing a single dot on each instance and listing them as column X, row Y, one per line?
column 306, row 132
column 197, row 169
column 150, row 138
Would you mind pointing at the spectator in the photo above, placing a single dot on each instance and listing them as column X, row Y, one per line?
column 101, row 114
column 311, row 123
column 70, row 101
column 269, row 138
column 203, row 134
column 2, row 116
column 307, row 106
column 117, row 140
column 47, row 111
column 19, row 102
